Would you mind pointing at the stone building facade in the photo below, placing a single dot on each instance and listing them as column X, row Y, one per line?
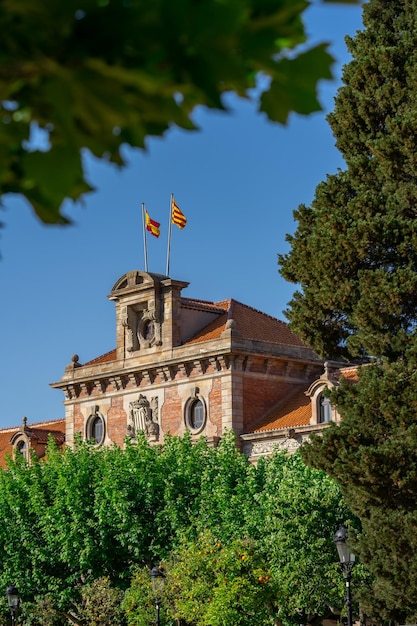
column 182, row 364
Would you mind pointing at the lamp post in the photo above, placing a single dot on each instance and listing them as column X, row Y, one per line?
column 158, row 580
column 13, row 601
column 347, row 561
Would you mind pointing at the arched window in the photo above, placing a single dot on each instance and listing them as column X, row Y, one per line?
column 95, row 427
column 22, row 447
column 324, row 409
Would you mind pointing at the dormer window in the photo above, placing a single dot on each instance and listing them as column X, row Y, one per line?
column 21, row 446
column 322, row 412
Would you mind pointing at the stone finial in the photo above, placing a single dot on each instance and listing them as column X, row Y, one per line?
column 74, row 364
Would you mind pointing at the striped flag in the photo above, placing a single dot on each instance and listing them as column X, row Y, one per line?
column 152, row 226
column 177, row 216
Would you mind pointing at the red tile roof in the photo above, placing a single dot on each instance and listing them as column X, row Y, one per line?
column 39, row 430
column 212, row 331
column 349, row 373
column 42, row 434
column 293, row 411
column 250, row 323
column 205, row 305
column 104, row 358
column 5, row 447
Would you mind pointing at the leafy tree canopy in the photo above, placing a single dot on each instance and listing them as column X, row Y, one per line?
column 354, row 254
column 276, row 559
column 372, row 454
column 96, row 74
column 91, row 514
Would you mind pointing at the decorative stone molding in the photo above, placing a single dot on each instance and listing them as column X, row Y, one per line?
column 100, row 382
column 289, row 442
column 143, row 417
column 149, row 330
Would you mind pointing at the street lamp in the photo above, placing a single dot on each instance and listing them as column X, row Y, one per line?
column 347, row 561
column 13, row 601
column 158, row 580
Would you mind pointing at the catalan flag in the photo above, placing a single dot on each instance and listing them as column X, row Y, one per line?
column 152, row 226
column 177, row 216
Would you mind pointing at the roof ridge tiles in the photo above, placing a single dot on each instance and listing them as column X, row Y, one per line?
column 197, row 302
column 252, row 308
column 107, row 356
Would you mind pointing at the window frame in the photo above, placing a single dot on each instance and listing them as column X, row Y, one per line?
column 191, row 403
column 92, row 420
column 324, row 408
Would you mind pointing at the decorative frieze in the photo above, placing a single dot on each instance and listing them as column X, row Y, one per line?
column 102, row 383
column 288, row 443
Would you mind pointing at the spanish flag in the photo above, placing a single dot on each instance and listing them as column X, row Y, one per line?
column 152, row 226
column 177, row 216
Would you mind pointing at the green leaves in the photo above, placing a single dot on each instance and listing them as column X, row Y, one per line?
column 97, row 75
column 211, row 583
column 240, row 543
column 293, row 87
column 50, row 174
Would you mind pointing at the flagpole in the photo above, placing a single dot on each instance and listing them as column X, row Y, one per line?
column 145, row 249
column 169, row 234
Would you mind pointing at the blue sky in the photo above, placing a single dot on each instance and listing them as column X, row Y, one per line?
column 237, row 180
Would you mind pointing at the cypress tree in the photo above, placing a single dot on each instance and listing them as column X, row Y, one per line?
column 354, row 256
column 372, row 454
column 354, row 253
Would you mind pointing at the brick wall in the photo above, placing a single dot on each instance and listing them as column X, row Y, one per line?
column 117, row 421
column 171, row 414
column 78, row 420
column 216, row 406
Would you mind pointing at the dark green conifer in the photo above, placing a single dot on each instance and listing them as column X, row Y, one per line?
column 372, row 454
column 354, row 253
column 354, row 256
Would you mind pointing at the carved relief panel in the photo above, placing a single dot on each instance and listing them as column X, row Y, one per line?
column 143, row 416
column 142, row 328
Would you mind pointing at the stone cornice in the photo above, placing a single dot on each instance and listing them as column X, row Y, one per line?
column 97, row 379
column 265, row 443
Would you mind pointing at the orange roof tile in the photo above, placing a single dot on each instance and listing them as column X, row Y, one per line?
column 212, row 331
column 39, row 430
column 42, row 434
column 5, row 447
column 350, row 373
column 295, row 410
column 103, row 358
column 250, row 323
column 205, row 305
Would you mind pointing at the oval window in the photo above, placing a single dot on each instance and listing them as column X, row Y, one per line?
column 196, row 415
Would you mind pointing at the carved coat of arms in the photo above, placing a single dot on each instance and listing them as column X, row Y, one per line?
column 143, row 416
